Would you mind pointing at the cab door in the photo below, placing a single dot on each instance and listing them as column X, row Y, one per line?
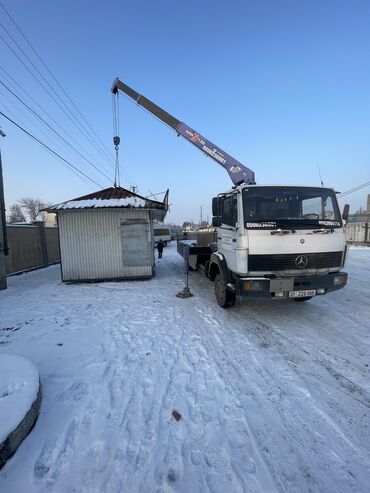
column 227, row 232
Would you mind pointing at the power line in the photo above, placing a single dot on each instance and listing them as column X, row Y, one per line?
column 20, row 123
column 74, row 120
column 355, row 189
column 50, row 150
column 107, row 156
column 13, row 81
column 53, row 130
column 35, row 124
column 52, row 75
column 28, row 117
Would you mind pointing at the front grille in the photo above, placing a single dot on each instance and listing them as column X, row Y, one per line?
column 286, row 262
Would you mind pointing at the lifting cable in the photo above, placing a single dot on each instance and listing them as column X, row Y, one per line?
column 116, row 139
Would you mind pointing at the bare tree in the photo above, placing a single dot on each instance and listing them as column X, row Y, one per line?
column 15, row 214
column 32, row 208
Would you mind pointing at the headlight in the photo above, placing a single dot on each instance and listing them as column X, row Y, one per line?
column 254, row 285
column 339, row 280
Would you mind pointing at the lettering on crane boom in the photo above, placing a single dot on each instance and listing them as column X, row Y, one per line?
column 198, row 140
column 238, row 173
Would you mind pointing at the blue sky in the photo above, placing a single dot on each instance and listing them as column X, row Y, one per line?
column 283, row 86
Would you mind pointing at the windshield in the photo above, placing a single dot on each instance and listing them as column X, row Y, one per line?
column 290, row 207
column 161, row 231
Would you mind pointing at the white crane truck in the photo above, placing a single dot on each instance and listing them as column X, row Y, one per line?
column 276, row 241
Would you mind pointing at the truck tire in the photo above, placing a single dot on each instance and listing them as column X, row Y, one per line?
column 224, row 296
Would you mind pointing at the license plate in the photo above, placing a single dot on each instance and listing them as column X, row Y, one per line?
column 302, row 293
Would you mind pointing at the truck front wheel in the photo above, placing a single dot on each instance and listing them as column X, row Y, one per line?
column 224, row 296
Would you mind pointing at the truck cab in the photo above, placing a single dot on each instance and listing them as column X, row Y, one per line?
column 277, row 241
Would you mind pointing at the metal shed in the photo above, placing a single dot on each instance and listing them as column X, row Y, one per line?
column 108, row 235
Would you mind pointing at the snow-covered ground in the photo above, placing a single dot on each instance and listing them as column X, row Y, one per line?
column 273, row 396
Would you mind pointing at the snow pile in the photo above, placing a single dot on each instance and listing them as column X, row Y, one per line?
column 19, row 386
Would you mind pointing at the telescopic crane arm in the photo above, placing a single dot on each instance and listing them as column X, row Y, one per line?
column 237, row 171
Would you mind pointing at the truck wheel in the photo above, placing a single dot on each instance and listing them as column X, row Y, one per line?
column 306, row 298
column 224, row 297
column 220, row 291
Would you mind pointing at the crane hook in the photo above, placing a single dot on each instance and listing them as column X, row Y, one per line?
column 116, row 142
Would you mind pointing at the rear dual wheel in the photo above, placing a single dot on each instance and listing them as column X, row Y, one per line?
column 224, row 296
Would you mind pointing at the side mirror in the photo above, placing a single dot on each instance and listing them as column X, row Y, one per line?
column 345, row 212
column 216, row 221
column 216, row 206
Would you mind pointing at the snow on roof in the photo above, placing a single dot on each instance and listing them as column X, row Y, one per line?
column 97, row 203
column 109, row 197
column 20, row 225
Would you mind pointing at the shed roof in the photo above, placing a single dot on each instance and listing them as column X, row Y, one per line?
column 112, row 197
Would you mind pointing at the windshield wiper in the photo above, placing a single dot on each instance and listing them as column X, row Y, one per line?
column 282, row 232
column 324, row 231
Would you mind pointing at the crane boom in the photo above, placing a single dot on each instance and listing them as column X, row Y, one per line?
column 237, row 171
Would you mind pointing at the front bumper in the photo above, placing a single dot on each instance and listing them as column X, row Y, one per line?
column 285, row 287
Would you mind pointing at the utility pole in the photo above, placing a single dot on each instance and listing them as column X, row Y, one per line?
column 3, row 237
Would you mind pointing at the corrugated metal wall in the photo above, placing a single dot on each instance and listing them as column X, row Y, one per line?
column 91, row 244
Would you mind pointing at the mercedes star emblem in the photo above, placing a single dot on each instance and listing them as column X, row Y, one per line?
column 301, row 261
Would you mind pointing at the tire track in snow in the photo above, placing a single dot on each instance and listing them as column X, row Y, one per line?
column 299, row 402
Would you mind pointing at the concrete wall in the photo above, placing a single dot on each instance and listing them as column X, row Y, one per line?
column 358, row 232
column 31, row 246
